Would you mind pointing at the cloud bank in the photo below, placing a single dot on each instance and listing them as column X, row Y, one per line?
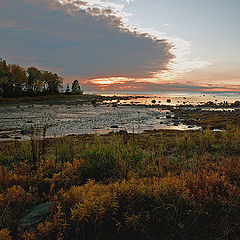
column 85, row 39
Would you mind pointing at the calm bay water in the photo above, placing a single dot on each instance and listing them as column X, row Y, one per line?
column 178, row 98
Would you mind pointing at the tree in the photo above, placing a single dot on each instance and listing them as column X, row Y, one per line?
column 3, row 75
column 17, row 80
column 52, row 82
column 76, row 88
column 35, row 82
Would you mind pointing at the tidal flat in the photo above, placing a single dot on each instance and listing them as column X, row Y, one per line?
column 105, row 114
column 71, row 118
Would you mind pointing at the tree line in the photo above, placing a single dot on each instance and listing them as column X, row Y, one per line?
column 15, row 81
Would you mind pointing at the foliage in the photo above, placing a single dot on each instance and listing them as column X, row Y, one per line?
column 5, row 234
column 17, row 82
column 167, row 185
column 76, row 88
column 113, row 159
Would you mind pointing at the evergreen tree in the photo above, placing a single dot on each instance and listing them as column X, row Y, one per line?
column 76, row 88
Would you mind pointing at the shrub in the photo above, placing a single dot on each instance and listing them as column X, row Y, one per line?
column 113, row 159
column 5, row 234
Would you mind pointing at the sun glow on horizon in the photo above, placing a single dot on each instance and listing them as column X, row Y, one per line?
column 176, row 68
column 109, row 81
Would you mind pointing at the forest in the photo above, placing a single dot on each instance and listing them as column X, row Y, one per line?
column 16, row 82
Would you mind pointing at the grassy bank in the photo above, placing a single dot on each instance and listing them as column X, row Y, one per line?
column 158, row 185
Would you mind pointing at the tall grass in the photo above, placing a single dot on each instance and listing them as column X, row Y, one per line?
column 111, row 159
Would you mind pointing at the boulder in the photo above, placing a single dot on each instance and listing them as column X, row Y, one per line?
column 35, row 215
column 17, row 138
column 4, row 136
column 25, row 131
column 115, row 105
column 114, row 126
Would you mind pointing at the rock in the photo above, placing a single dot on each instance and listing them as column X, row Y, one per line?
column 94, row 101
column 25, row 131
column 114, row 126
column 17, row 138
column 35, row 215
column 4, row 136
column 169, row 100
column 153, row 101
column 123, row 132
column 115, row 105
column 110, row 133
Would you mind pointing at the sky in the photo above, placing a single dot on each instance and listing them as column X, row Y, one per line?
column 127, row 45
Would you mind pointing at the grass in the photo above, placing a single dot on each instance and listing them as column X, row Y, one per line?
column 159, row 185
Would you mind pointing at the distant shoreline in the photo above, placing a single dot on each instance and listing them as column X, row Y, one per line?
column 62, row 97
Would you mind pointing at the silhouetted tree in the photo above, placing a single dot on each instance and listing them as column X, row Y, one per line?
column 76, row 88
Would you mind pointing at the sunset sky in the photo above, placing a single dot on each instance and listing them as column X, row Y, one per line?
column 127, row 45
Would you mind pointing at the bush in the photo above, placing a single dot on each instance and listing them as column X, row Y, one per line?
column 113, row 159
